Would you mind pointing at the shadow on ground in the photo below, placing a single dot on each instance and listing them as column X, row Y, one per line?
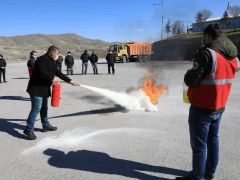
column 96, row 100
column 21, row 78
column 114, row 109
column 14, row 98
column 11, row 127
column 102, row 163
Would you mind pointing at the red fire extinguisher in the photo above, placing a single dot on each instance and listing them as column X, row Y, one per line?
column 56, row 92
column 30, row 72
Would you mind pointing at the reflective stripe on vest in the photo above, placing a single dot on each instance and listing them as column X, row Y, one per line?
column 216, row 82
column 214, row 65
column 238, row 63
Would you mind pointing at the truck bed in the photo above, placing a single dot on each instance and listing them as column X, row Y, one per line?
column 139, row 49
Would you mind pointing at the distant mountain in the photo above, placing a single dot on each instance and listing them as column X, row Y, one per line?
column 17, row 48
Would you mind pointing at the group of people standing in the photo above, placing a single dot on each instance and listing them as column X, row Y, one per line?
column 69, row 63
column 85, row 58
column 93, row 58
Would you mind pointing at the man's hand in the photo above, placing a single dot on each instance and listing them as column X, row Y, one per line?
column 74, row 83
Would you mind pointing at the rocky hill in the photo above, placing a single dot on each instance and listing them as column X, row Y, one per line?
column 17, row 48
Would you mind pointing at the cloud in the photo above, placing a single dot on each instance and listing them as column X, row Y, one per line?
column 141, row 30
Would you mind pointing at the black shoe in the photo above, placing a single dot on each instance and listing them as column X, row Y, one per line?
column 30, row 135
column 48, row 127
column 184, row 178
column 5, row 81
column 209, row 177
column 0, row 81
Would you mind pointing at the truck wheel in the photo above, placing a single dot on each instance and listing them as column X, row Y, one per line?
column 146, row 58
column 124, row 59
column 140, row 58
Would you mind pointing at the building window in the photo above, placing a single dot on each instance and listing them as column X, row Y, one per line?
column 228, row 24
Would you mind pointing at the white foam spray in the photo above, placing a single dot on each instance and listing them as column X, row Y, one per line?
column 74, row 138
column 134, row 101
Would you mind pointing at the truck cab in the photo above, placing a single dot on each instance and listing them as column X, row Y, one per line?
column 120, row 52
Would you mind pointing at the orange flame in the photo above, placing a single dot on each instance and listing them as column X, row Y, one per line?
column 153, row 91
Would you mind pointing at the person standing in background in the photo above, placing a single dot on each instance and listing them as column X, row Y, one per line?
column 94, row 62
column 3, row 65
column 111, row 61
column 59, row 62
column 69, row 62
column 31, row 62
column 85, row 58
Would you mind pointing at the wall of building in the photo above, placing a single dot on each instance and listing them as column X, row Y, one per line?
column 231, row 23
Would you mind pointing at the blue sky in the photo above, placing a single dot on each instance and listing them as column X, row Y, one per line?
column 109, row 20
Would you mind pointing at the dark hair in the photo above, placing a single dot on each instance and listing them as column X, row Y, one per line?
column 69, row 52
column 1, row 56
column 214, row 30
column 32, row 52
column 53, row 49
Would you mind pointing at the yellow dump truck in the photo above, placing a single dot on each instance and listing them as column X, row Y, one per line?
column 131, row 52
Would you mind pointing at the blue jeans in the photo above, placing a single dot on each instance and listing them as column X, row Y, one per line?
column 95, row 68
column 84, row 67
column 204, row 140
column 39, row 104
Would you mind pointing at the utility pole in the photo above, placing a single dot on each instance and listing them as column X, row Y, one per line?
column 160, row 4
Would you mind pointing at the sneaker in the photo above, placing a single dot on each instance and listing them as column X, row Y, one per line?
column 49, row 127
column 30, row 135
column 184, row 178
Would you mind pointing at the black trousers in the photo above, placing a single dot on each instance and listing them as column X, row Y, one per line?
column 111, row 66
column 69, row 70
column 3, row 72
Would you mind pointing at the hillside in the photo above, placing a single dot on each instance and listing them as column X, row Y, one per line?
column 184, row 47
column 17, row 48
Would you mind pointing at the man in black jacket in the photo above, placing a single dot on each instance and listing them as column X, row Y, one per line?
column 94, row 61
column 214, row 68
column 38, row 88
column 3, row 65
column 85, row 58
column 69, row 62
column 111, row 61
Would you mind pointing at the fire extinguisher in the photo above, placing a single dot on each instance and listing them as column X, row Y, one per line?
column 56, row 92
column 30, row 72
